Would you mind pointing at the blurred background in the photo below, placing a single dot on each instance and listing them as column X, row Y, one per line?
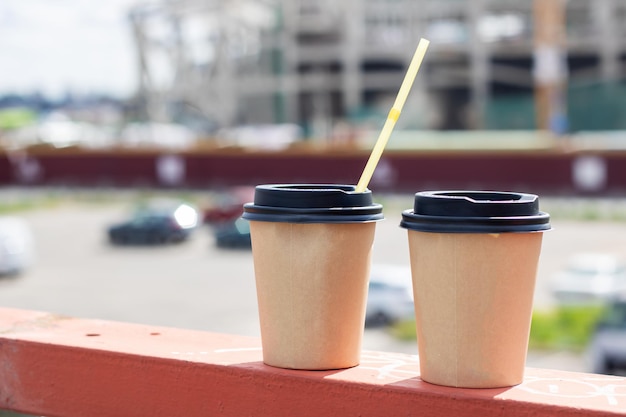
column 105, row 108
column 316, row 70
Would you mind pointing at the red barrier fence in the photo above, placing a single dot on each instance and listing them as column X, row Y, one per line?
column 542, row 171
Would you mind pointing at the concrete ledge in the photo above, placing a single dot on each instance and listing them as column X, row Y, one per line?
column 70, row 367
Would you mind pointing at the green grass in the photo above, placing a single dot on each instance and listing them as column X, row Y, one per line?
column 20, row 200
column 564, row 327
column 560, row 208
column 404, row 330
column 16, row 199
column 585, row 209
column 25, row 204
column 560, row 328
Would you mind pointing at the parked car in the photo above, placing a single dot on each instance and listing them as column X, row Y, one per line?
column 228, row 206
column 590, row 277
column 390, row 295
column 16, row 245
column 223, row 213
column 608, row 344
column 157, row 222
column 234, row 234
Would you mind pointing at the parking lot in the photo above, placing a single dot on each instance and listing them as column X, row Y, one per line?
column 195, row 285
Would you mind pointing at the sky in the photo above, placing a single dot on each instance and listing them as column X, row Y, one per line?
column 59, row 46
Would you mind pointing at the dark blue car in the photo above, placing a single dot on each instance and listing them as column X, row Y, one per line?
column 235, row 234
column 156, row 224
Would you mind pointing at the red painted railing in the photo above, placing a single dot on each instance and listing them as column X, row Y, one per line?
column 70, row 367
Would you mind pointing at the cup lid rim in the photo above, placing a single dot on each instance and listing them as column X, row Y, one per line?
column 469, row 211
column 312, row 203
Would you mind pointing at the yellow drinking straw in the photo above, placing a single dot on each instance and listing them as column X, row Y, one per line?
column 393, row 115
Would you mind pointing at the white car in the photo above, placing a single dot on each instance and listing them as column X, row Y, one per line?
column 16, row 245
column 590, row 277
column 390, row 296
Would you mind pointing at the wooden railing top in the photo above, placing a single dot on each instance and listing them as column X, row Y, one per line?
column 71, row 367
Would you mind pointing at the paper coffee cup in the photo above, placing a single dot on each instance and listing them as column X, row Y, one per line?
column 311, row 246
column 474, row 259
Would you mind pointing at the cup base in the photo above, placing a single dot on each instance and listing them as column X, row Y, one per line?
column 310, row 366
column 477, row 385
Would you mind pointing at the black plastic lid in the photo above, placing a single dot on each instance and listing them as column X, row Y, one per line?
column 312, row 203
column 475, row 212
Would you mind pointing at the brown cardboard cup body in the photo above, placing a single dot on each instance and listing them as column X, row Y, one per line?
column 311, row 284
column 473, row 305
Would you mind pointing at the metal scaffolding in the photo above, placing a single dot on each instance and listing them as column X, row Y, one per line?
column 234, row 62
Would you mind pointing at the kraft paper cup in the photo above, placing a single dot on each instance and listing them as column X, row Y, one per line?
column 474, row 257
column 311, row 246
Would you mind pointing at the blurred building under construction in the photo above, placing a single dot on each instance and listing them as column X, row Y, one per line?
column 320, row 63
